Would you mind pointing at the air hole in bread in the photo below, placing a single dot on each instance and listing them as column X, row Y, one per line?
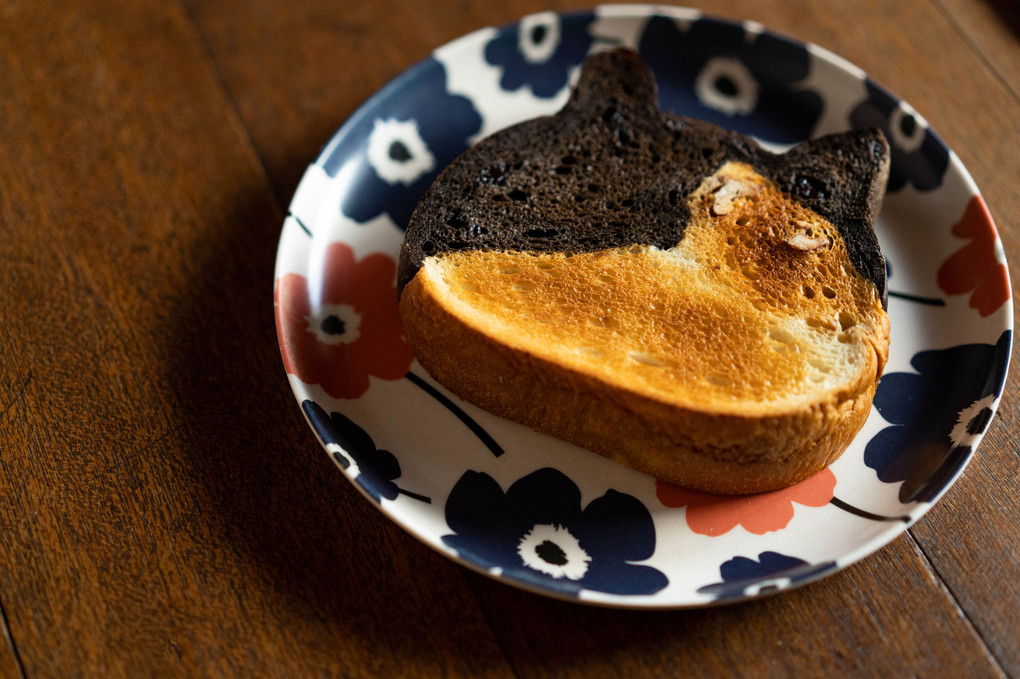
column 646, row 358
column 809, row 292
column 782, row 335
column 821, row 323
column 545, row 265
column 625, row 138
column 604, row 322
column 606, row 278
column 809, row 188
column 563, row 169
column 512, row 269
column 750, row 274
column 594, row 188
column 719, row 380
column 525, row 286
column 457, row 222
column 829, row 292
column 846, row 320
column 518, row 195
column 819, row 365
column 494, row 174
column 800, row 226
column 844, row 338
column 673, row 197
column 568, row 160
column 743, row 221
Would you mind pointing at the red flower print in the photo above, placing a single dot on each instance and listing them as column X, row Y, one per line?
column 338, row 333
column 974, row 267
column 714, row 515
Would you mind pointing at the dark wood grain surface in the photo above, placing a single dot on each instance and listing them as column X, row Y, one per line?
column 164, row 509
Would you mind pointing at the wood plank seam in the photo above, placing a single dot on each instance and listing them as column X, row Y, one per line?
column 10, row 641
column 944, row 11
column 5, row 627
column 239, row 119
column 472, row 584
column 122, row 461
column 933, row 571
column 17, row 397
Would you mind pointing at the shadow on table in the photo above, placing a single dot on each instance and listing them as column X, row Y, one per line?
column 300, row 565
column 317, row 573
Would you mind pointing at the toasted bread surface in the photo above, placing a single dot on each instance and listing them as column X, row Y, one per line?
column 611, row 170
column 730, row 341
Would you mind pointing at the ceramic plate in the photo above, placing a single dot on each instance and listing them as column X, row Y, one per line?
column 552, row 518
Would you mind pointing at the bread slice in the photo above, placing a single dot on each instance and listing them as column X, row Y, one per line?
column 656, row 289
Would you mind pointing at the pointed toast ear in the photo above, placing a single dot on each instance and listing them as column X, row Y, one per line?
column 618, row 76
column 848, row 170
column 842, row 177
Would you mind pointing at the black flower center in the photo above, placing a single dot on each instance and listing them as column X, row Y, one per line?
column 979, row 422
column 725, row 85
column 399, row 152
column 908, row 126
column 333, row 325
column 552, row 553
column 538, row 34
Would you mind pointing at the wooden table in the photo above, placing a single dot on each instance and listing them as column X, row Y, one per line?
column 164, row 509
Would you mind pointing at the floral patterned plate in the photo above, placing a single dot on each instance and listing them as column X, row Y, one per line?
column 546, row 516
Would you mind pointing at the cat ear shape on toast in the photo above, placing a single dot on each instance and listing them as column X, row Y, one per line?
column 655, row 288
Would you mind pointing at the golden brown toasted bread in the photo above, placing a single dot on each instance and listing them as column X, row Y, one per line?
column 726, row 334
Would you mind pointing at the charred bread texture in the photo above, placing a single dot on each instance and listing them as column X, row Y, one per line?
column 655, row 288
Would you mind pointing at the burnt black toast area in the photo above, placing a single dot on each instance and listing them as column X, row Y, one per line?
column 611, row 170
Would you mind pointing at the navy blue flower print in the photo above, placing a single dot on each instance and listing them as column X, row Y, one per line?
column 349, row 443
column 919, row 157
column 744, row 577
column 720, row 73
column 937, row 415
column 392, row 149
column 540, row 51
column 538, row 534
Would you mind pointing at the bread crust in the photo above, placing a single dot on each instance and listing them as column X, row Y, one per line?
column 715, row 452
